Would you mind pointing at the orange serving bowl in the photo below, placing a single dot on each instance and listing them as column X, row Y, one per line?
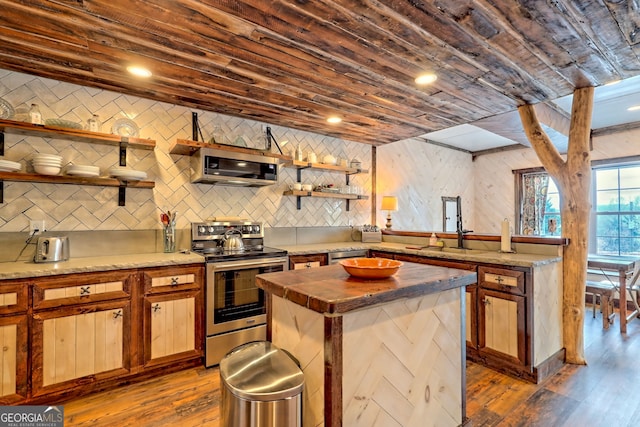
column 371, row 268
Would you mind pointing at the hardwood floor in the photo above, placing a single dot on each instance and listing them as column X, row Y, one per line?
column 605, row 393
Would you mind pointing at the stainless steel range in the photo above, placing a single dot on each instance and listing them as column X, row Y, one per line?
column 235, row 306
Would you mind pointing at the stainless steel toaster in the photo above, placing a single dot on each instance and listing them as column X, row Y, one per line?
column 52, row 249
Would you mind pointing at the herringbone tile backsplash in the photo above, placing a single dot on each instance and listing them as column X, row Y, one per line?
column 76, row 207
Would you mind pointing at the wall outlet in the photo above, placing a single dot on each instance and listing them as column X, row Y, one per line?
column 36, row 227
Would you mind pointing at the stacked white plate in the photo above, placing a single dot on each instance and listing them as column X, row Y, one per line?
column 9, row 166
column 126, row 174
column 83, row 171
column 47, row 164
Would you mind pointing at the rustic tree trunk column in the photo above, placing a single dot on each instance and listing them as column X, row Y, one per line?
column 573, row 178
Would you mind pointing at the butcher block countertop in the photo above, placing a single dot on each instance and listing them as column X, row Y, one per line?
column 19, row 270
column 331, row 290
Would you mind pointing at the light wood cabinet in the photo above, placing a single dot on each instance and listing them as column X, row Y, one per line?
column 172, row 315
column 77, row 345
column 89, row 331
column 298, row 262
column 502, row 325
column 13, row 341
column 81, row 329
column 513, row 315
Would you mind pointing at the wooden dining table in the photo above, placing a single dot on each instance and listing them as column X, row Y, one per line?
column 624, row 267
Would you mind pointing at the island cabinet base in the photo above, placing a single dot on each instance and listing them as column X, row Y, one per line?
column 395, row 364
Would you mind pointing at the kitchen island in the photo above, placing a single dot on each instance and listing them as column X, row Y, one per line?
column 388, row 352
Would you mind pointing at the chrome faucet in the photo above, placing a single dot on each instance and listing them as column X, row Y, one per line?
column 461, row 232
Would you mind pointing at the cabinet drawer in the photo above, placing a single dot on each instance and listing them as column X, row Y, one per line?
column 172, row 279
column 180, row 279
column 81, row 288
column 297, row 262
column 14, row 297
column 512, row 281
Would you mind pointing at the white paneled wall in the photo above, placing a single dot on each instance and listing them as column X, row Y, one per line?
column 495, row 182
column 74, row 207
column 420, row 174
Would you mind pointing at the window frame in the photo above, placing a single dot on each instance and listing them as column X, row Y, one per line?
column 628, row 161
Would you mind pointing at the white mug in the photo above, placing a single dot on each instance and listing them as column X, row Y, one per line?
column 311, row 157
column 307, row 187
column 295, row 186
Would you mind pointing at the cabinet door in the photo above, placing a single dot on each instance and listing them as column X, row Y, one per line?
column 171, row 325
column 297, row 262
column 502, row 329
column 77, row 345
column 13, row 359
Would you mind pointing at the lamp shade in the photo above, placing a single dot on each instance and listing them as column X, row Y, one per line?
column 389, row 203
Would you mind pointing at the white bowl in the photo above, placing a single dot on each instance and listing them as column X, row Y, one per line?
column 46, row 170
column 43, row 156
column 46, row 162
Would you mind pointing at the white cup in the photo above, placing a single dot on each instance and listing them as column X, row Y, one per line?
column 295, row 186
column 307, row 187
column 311, row 157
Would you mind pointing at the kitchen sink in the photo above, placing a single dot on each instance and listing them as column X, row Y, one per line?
column 463, row 251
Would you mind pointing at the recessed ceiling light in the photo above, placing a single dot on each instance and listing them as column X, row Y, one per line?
column 334, row 119
column 426, row 79
column 634, row 108
column 139, row 71
column 613, row 82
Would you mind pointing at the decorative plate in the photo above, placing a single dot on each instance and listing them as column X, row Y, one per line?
column 6, row 110
column 62, row 123
column 125, row 127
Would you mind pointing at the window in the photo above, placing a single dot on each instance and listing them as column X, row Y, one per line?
column 615, row 221
column 539, row 205
column 616, row 195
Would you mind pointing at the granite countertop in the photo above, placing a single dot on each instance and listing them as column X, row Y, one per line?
column 331, row 290
column 19, row 270
column 482, row 256
column 24, row 269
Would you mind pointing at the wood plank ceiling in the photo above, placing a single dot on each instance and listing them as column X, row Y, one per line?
column 296, row 62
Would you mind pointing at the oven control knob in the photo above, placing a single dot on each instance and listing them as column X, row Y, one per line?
column 211, row 229
column 256, row 229
column 202, row 229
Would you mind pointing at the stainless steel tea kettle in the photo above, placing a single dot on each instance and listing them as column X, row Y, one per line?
column 233, row 243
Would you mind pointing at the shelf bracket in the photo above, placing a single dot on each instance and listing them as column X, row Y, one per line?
column 298, row 202
column 299, row 174
column 122, row 191
column 2, row 143
column 124, row 143
column 1, row 191
column 348, row 206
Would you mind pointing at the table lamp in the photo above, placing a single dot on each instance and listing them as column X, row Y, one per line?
column 389, row 203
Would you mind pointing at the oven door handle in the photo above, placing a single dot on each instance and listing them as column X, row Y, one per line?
column 254, row 263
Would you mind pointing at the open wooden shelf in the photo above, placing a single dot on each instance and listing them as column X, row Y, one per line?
column 187, row 147
column 321, row 166
column 325, row 194
column 66, row 179
column 22, row 128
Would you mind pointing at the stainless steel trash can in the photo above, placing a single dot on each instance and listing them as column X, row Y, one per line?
column 261, row 387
